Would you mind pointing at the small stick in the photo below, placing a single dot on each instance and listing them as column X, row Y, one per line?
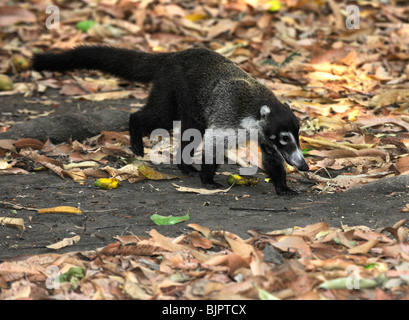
column 262, row 209
column 17, row 206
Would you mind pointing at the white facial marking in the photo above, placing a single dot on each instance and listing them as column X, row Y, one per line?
column 249, row 123
column 265, row 111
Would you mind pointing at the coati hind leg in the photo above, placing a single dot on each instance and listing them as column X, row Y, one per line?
column 274, row 166
column 142, row 123
column 159, row 112
column 207, row 176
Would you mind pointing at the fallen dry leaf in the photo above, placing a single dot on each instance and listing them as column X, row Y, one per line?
column 13, row 222
column 64, row 243
column 150, row 266
column 200, row 190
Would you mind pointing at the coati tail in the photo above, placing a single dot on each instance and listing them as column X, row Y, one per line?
column 123, row 63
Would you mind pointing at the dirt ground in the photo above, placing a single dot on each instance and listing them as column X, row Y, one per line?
column 108, row 213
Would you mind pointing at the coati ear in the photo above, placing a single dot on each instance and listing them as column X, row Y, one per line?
column 264, row 111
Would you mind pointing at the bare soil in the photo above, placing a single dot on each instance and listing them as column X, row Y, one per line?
column 108, row 213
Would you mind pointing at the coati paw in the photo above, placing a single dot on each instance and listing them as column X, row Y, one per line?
column 212, row 185
column 286, row 192
column 137, row 150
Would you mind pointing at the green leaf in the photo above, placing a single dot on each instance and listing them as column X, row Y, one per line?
column 73, row 275
column 306, row 151
column 371, row 266
column 85, row 25
column 336, row 240
column 169, row 220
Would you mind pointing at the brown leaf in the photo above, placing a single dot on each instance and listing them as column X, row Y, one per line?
column 58, row 170
column 11, row 15
column 372, row 120
column 364, row 248
column 8, row 144
column 164, row 242
column 29, row 143
column 203, row 230
column 310, row 231
column 402, row 165
column 235, row 261
column 75, row 174
column 241, row 248
column 222, row 26
column 292, row 244
column 198, row 241
column 13, row 222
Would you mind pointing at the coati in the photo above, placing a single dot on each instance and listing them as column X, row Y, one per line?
column 204, row 90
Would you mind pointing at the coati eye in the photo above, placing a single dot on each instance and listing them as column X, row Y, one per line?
column 284, row 138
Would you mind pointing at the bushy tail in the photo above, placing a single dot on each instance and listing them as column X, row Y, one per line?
column 123, row 63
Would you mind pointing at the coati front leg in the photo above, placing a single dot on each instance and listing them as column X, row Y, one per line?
column 209, row 163
column 207, row 176
column 184, row 156
column 274, row 166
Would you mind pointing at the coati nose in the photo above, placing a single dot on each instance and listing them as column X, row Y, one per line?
column 296, row 159
column 303, row 167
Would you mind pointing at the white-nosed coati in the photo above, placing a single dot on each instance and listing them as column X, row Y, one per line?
column 204, row 90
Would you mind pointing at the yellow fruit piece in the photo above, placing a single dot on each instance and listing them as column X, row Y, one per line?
column 5, row 83
column 107, row 184
column 19, row 62
column 242, row 181
column 60, row 209
column 274, row 5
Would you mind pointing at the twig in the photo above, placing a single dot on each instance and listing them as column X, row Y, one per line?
column 102, row 210
column 262, row 209
column 17, row 206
